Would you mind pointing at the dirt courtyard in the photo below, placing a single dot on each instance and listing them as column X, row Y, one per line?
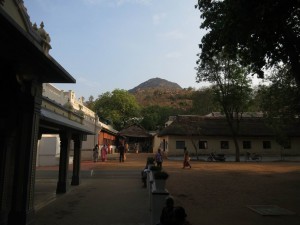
column 221, row 192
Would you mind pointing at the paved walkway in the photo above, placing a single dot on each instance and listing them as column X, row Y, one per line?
column 112, row 195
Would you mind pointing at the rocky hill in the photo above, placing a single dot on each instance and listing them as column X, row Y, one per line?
column 155, row 83
column 157, row 91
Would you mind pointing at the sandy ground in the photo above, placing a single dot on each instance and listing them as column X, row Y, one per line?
column 221, row 193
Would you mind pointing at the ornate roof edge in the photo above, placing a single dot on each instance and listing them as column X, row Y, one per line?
column 39, row 35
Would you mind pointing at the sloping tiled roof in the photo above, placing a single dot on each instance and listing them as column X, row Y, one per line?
column 134, row 131
column 218, row 126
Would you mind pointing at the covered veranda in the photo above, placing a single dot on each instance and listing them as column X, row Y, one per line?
column 25, row 64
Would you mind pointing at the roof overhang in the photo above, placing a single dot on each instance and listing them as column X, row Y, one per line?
column 51, row 122
column 134, row 135
column 23, row 55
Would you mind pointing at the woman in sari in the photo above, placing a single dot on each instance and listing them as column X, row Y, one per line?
column 103, row 153
column 186, row 159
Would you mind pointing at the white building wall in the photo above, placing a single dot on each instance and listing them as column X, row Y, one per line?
column 213, row 145
column 49, row 156
column 55, row 94
column 62, row 97
column 48, row 150
column 156, row 143
column 87, row 147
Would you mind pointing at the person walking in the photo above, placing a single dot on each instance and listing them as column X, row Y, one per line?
column 159, row 158
column 104, row 153
column 136, row 148
column 186, row 159
column 126, row 150
column 95, row 153
column 121, row 149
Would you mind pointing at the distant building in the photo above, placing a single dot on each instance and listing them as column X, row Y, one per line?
column 48, row 146
column 138, row 139
column 212, row 134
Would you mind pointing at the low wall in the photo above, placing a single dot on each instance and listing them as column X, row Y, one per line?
column 157, row 195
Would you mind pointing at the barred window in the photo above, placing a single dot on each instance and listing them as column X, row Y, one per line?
column 224, row 145
column 266, row 144
column 246, row 144
column 202, row 144
column 180, row 144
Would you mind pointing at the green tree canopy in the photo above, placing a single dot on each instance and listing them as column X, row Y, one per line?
column 232, row 89
column 262, row 33
column 281, row 98
column 90, row 103
column 203, row 102
column 154, row 117
column 280, row 101
column 119, row 107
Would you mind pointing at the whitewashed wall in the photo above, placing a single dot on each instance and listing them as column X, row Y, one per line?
column 48, row 151
column 214, row 145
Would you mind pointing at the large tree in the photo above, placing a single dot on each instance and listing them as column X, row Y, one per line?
column 155, row 116
column 262, row 33
column 203, row 102
column 232, row 90
column 90, row 103
column 280, row 102
column 119, row 107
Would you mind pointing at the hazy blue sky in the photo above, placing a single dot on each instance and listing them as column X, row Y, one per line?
column 109, row 44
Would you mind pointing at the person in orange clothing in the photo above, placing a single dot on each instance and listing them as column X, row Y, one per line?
column 186, row 159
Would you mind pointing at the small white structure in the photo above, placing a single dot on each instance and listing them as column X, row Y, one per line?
column 49, row 145
column 48, row 150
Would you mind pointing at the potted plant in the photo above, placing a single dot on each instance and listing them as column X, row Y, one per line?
column 155, row 169
column 161, row 175
column 160, row 178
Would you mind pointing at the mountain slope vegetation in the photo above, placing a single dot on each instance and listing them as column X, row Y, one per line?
column 161, row 92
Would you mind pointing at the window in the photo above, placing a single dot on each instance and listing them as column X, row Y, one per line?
column 266, row 144
column 202, row 144
column 224, row 145
column 180, row 144
column 246, row 144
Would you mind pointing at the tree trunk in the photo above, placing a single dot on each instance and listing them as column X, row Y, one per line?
column 195, row 147
column 237, row 149
column 234, row 131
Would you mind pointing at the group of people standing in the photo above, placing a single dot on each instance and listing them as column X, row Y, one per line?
column 123, row 149
column 105, row 149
